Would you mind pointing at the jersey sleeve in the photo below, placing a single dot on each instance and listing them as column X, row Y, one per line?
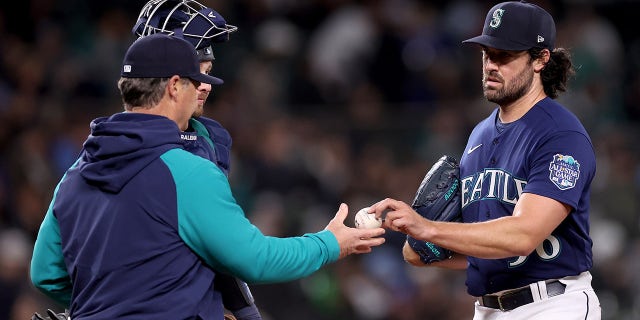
column 48, row 270
column 562, row 167
column 215, row 227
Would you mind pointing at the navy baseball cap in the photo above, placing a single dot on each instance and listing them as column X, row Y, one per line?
column 517, row 26
column 163, row 56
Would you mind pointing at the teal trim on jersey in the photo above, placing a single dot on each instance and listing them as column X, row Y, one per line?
column 213, row 225
column 48, row 269
column 201, row 130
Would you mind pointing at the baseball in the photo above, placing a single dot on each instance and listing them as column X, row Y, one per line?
column 365, row 220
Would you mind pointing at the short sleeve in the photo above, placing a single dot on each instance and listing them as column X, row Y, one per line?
column 562, row 167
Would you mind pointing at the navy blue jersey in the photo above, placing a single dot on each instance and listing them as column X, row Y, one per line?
column 546, row 152
column 209, row 139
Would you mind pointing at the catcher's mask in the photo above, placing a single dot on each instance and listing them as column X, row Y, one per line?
column 196, row 23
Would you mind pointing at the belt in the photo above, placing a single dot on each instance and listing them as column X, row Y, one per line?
column 512, row 299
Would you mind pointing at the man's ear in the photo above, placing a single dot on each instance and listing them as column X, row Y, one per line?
column 173, row 86
column 542, row 61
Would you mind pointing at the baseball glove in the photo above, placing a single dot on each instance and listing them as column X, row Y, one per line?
column 438, row 199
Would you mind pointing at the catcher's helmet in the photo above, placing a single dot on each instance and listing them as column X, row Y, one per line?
column 196, row 23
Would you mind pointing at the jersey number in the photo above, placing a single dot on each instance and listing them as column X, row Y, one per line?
column 547, row 250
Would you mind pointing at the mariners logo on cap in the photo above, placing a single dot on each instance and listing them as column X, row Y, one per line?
column 564, row 171
column 496, row 19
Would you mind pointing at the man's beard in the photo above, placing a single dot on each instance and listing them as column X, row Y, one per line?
column 511, row 92
column 198, row 112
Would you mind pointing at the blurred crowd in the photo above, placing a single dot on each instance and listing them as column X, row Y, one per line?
column 328, row 101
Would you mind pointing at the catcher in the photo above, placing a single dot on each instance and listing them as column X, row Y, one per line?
column 202, row 27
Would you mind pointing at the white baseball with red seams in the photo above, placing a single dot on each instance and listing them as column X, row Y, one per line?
column 366, row 220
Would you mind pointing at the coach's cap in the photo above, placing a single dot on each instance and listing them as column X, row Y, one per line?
column 517, row 26
column 163, row 56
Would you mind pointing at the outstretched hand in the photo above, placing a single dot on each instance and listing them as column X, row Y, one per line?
column 352, row 240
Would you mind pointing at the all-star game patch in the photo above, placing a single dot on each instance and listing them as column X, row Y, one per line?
column 564, row 171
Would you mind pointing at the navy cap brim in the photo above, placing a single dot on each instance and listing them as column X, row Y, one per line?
column 497, row 43
column 201, row 77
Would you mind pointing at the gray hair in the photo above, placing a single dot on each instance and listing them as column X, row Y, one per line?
column 143, row 92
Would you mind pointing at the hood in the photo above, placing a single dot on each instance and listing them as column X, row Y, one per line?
column 122, row 145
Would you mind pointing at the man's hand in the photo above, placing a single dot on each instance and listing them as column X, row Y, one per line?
column 352, row 240
column 401, row 217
